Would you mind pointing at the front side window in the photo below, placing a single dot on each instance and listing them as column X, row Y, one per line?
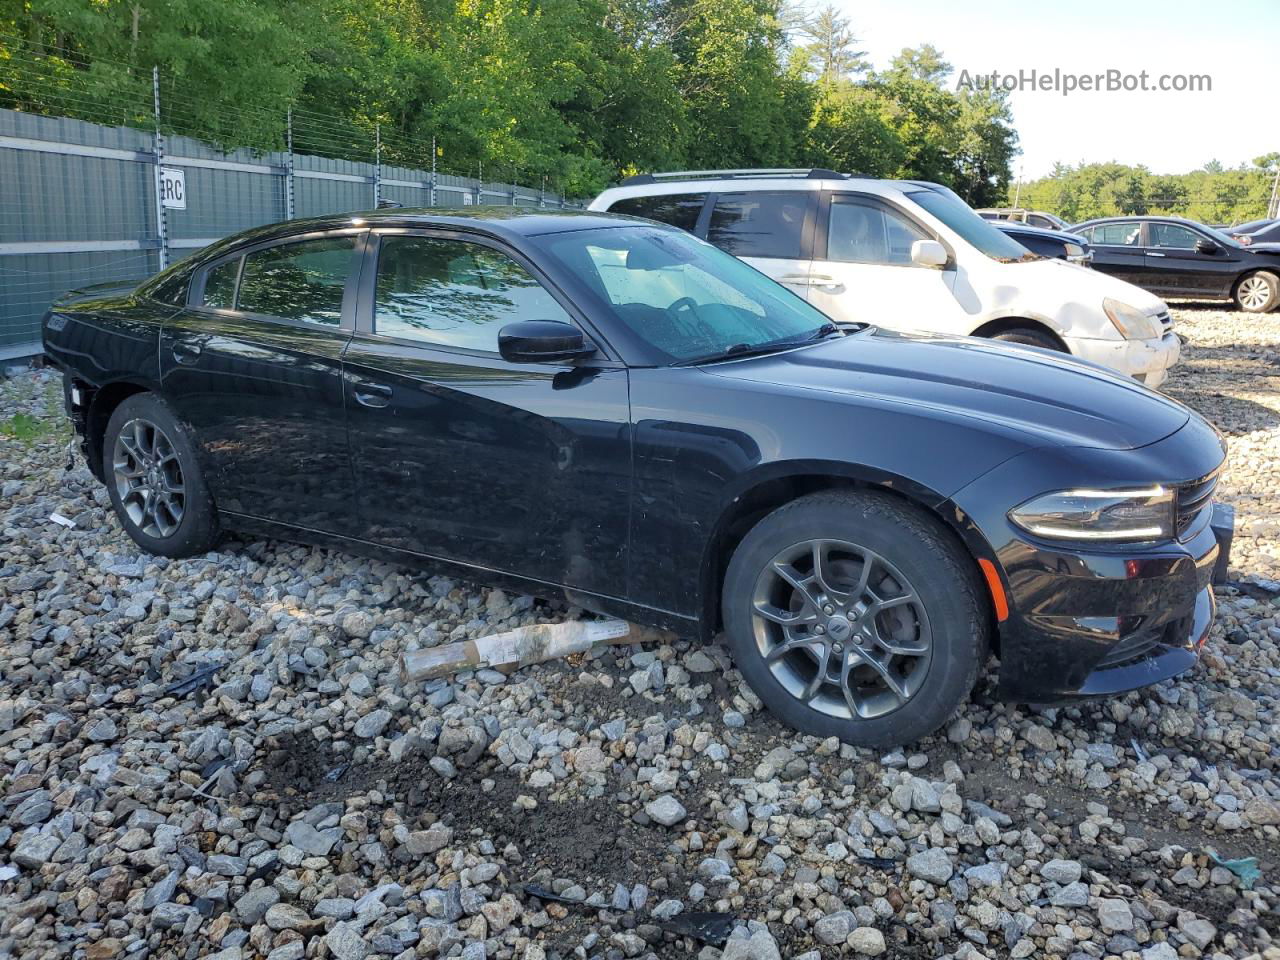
column 220, row 285
column 453, row 293
column 1171, row 236
column 861, row 232
column 759, row 224
column 678, row 209
column 297, row 281
column 681, row 296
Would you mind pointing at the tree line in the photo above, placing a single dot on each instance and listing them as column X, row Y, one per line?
column 579, row 92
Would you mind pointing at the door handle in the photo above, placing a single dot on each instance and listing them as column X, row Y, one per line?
column 184, row 351
column 800, row 278
column 372, row 394
column 1153, row 253
column 828, row 284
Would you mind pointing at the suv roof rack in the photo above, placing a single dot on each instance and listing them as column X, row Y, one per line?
column 810, row 173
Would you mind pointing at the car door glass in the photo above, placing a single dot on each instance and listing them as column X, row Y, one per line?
column 1117, row 234
column 759, row 224
column 860, row 232
column 453, row 293
column 298, row 281
column 1171, row 236
column 220, row 285
column 678, row 209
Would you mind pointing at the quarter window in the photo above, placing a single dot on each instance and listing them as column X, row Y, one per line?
column 759, row 224
column 1171, row 235
column 680, row 209
column 861, row 232
column 220, row 285
column 297, row 281
column 453, row 293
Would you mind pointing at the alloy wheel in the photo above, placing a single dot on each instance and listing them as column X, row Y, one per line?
column 841, row 629
column 148, row 478
column 1254, row 293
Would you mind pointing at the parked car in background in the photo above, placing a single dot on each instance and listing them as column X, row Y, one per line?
column 1175, row 257
column 619, row 415
column 1032, row 218
column 1257, row 231
column 1056, row 244
column 908, row 255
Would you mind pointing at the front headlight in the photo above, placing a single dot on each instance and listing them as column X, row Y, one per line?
column 1116, row 515
column 1132, row 323
column 1073, row 249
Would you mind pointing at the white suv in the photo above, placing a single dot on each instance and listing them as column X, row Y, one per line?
column 907, row 255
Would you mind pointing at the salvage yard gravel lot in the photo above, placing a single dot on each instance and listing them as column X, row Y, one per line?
column 216, row 757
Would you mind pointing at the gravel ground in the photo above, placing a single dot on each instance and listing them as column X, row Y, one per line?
column 292, row 799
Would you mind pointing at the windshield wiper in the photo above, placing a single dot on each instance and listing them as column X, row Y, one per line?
column 741, row 350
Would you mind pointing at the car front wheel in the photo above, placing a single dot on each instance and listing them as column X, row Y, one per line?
column 1258, row 292
column 855, row 615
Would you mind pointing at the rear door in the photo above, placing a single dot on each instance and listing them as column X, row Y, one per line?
column 1173, row 260
column 521, row 468
column 770, row 229
column 253, row 367
column 862, row 269
column 1118, row 250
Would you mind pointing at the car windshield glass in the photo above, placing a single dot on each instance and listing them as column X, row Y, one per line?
column 683, row 296
column 979, row 233
column 1225, row 239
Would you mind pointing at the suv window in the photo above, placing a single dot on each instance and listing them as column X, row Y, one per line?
column 220, row 285
column 678, row 209
column 297, row 281
column 759, row 224
column 862, row 232
column 1171, row 235
column 453, row 293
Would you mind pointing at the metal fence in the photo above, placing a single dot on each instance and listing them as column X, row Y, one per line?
column 80, row 203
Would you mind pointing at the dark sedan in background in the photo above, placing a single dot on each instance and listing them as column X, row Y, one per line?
column 1175, row 257
column 618, row 414
column 1055, row 244
column 1257, row 231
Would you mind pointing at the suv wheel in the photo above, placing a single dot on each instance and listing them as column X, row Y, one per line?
column 155, row 482
column 1258, row 292
column 854, row 615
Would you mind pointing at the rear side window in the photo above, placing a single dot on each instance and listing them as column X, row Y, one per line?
column 297, row 281
column 1117, row 234
column 220, row 285
column 680, row 209
column 759, row 224
column 453, row 293
column 861, row 232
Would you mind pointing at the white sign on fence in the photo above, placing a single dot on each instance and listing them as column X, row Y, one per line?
column 173, row 188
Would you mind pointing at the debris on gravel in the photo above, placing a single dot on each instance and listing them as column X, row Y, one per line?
column 216, row 757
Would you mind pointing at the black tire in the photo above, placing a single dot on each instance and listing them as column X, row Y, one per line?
column 1257, row 292
column 907, row 543
column 1031, row 337
column 169, row 523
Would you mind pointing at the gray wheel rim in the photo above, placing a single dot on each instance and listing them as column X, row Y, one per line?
column 148, row 479
column 1254, row 293
column 841, row 629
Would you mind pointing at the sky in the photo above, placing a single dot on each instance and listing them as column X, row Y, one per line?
column 1235, row 42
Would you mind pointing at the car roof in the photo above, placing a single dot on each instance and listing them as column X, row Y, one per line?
column 1146, row 218
column 1011, row 226
column 750, row 181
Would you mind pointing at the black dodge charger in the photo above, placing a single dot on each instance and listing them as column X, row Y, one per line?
column 617, row 413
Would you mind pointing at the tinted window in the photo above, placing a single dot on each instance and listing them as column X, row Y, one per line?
column 1117, row 234
column 220, row 285
column 453, row 293
column 959, row 216
column 759, row 224
column 861, row 232
column 680, row 295
column 297, row 281
column 1170, row 235
column 174, row 289
column 680, row 210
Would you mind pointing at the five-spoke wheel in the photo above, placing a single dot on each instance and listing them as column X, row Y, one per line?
column 148, row 478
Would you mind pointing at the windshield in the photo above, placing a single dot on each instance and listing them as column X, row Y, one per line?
column 1225, row 239
column 979, row 233
column 682, row 296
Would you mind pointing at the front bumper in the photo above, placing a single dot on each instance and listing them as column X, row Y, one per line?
column 1147, row 361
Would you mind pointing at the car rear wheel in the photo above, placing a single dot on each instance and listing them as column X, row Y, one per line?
column 155, row 482
column 1258, row 292
column 857, row 616
column 1029, row 336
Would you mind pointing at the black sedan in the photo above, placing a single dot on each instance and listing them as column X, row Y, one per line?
column 1055, row 244
column 616, row 413
column 1257, row 231
column 1174, row 257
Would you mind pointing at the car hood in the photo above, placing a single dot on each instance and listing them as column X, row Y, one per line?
column 1041, row 397
column 1069, row 282
column 1270, row 247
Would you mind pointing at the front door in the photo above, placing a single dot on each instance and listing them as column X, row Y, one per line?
column 1174, row 263
column 521, row 468
column 863, row 273
column 253, row 367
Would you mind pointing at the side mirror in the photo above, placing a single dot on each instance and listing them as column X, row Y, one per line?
column 542, row 341
column 1206, row 246
column 928, row 253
